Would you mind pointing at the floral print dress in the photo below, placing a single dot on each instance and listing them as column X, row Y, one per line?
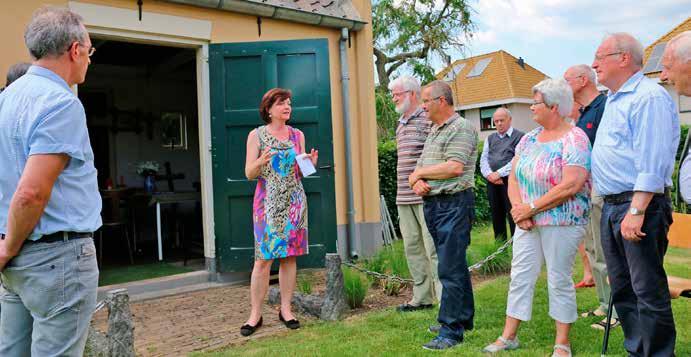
column 280, row 203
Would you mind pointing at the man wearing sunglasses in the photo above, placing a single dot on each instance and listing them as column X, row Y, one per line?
column 49, row 200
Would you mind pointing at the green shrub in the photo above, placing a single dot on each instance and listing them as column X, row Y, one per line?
column 305, row 282
column 387, row 118
column 678, row 204
column 388, row 158
column 356, row 286
column 482, row 210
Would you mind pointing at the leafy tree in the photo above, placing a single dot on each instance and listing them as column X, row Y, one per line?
column 408, row 32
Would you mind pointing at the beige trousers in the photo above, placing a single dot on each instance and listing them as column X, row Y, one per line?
column 420, row 253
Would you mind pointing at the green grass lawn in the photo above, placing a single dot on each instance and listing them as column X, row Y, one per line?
column 124, row 274
column 390, row 333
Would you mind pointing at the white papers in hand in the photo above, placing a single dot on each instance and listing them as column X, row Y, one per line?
column 305, row 164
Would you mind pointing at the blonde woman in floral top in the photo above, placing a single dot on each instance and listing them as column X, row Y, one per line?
column 549, row 189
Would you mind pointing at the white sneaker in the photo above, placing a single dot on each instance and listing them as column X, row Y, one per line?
column 507, row 345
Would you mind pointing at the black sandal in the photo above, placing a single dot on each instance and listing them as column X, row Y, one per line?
column 247, row 329
column 292, row 324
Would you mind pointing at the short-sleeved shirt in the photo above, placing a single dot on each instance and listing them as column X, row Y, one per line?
column 455, row 139
column 39, row 114
column 411, row 134
column 539, row 168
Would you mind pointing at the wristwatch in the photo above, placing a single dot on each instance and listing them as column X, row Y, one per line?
column 636, row 212
column 533, row 209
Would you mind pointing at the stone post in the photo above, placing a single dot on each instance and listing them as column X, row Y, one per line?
column 120, row 324
column 335, row 305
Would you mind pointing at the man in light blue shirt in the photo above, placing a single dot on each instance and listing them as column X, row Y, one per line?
column 49, row 200
column 632, row 164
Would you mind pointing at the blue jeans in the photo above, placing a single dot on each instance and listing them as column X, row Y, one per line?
column 449, row 219
column 638, row 279
column 48, row 297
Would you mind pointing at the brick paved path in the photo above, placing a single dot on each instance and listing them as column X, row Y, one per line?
column 196, row 321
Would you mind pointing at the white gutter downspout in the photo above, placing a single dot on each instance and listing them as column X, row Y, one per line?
column 345, row 96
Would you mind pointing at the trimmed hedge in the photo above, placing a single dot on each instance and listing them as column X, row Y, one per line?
column 387, row 183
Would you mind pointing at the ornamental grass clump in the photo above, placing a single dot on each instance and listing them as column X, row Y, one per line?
column 305, row 283
column 356, row 286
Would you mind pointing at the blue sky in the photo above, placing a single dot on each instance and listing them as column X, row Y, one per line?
column 552, row 35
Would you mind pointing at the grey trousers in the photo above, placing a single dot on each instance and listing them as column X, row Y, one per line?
column 420, row 254
column 596, row 256
column 48, row 297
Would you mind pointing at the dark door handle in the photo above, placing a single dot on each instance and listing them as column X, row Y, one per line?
column 326, row 167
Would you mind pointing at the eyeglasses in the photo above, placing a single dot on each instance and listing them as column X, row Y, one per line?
column 572, row 78
column 90, row 49
column 426, row 101
column 398, row 94
column 601, row 57
column 538, row 103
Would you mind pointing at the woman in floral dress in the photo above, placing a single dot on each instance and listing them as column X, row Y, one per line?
column 280, row 205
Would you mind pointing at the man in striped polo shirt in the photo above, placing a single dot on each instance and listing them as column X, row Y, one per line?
column 445, row 177
column 412, row 130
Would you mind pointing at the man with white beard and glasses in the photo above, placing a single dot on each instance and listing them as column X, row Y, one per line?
column 411, row 133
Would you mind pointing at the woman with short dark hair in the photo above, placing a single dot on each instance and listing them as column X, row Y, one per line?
column 280, row 204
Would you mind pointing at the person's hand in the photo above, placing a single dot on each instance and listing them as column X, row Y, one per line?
column 495, row 178
column 421, row 188
column 413, row 178
column 526, row 224
column 631, row 227
column 521, row 212
column 266, row 156
column 5, row 257
column 314, row 155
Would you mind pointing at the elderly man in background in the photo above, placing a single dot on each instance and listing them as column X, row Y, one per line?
column 581, row 78
column 49, row 199
column 676, row 69
column 411, row 133
column 444, row 177
column 16, row 70
column 633, row 160
column 495, row 165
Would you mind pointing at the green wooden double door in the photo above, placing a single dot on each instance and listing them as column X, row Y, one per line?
column 240, row 74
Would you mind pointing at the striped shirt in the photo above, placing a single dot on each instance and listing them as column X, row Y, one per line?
column 410, row 139
column 455, row 139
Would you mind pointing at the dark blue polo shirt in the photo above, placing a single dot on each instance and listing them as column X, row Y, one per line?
column 591, row 115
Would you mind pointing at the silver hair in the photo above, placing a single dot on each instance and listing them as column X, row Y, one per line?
column 681, row 44
column 441, row 89
column 556, row 92
column 407, row 83
column 624, row 42
column 52, row 30
column 506, row 110
column 585, row 70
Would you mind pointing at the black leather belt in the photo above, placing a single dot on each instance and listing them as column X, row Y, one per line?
column 60, row 236
column 627, row 196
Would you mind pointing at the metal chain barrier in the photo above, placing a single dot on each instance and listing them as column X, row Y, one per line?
column 398, row 279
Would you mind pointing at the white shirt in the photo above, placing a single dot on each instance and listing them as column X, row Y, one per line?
column 484, row 164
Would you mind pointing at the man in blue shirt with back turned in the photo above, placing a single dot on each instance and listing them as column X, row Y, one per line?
column 49, row 200
column 632, row 164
